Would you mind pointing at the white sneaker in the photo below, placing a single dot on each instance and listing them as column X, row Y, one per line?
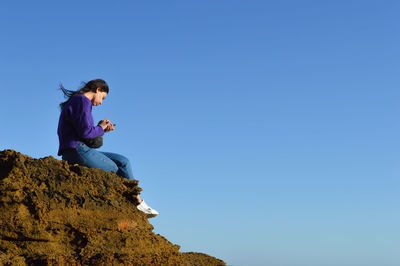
column 147, row 209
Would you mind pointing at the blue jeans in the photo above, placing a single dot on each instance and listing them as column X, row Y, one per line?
column 113, row 162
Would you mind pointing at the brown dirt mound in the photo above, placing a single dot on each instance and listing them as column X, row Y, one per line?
column 53, row 213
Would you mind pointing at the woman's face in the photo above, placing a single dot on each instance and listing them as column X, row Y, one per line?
column 99, row 96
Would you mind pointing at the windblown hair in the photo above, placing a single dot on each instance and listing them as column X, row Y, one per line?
column 87, row 86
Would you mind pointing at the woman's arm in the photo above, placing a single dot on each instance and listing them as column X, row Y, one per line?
column 80, row 115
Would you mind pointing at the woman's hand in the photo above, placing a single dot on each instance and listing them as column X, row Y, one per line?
column 106, row 125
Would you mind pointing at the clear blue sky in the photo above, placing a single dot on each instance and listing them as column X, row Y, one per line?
column 264, row 132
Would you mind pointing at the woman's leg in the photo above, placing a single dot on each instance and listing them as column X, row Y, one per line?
column 89, row 157
column 124, row 166
column 108, row 161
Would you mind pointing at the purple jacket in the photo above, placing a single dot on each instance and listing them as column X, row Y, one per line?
column 76, row 122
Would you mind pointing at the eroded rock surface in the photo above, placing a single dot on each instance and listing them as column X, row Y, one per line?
column 59, row 214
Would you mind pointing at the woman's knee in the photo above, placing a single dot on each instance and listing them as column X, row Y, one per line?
column 119, row 159
column 124, row 161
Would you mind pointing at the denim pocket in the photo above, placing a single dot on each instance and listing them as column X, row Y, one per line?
column 82, row 148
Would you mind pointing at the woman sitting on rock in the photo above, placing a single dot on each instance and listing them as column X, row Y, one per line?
column 76, row 127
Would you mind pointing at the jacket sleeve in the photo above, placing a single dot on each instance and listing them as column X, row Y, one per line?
column 80, row 116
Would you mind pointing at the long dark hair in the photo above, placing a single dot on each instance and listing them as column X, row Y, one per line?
column 87, row 86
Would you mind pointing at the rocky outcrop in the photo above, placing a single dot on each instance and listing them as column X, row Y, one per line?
column 53, row 213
